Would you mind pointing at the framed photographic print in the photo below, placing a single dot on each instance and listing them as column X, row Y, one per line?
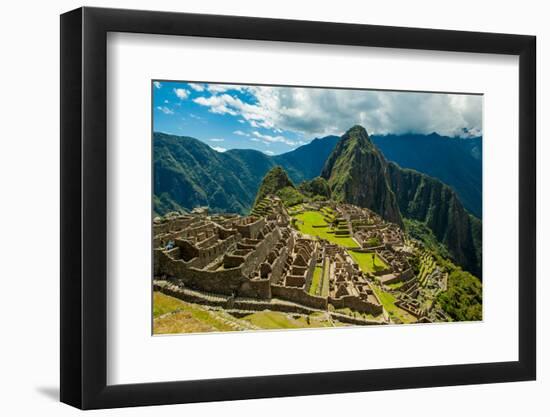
column 258, row 207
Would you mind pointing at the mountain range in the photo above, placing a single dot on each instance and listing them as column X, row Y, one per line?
column 189, row 173
column 455, row 161
column 359, row 174
column 436, row 205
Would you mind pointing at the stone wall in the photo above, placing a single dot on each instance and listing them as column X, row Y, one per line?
column 246, row 306
column 296, row 281
column 311, row 268
column 407, row 274
column 368, row 250
column 225, row 233
column 205, row 254
column 172, row 225
column 233, row 279
column 251, row 227
column 211, row 239
column 381, row 272
column 229, row 302
column 354, row 320
column 185, row 250
column 278, row 265
column 257, row 288
column 236, row 258
column 263, row 248
column 163, row 261
column 161, row 240
column 298, row 295
column 197, row 229
column 400, row 277
column 224, row 281
column 355, row 303
column 408, row 308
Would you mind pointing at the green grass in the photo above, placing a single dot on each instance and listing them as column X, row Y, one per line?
column 312, row 218
column 316, row 218
column 192, row 318
column 185, row 317
column 275, row 320
column 388, row 301
column 352, row 313
column 163, row 304
column 368, row 262
column 316, row 280
column 396, row 285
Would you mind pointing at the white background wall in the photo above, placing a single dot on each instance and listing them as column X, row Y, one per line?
column 29, row 177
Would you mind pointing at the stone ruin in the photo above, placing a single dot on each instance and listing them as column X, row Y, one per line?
column 348, row 286
column 260, row 257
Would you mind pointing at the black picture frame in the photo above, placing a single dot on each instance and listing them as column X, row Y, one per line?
column 84, row 207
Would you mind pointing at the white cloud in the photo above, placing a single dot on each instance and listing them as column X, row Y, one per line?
column 196, row 87
column 240, row 133
column 157, row 84
column 165, row 110
column 269, row 152
column 166, row 102
column 222, row 88
column 269, row 138
column 194, row 116
column 319, row 112
column 218, row 148
column 182, row 93
column 224, row 104
column 216, row 140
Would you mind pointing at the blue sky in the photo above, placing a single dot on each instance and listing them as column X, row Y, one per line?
column 276, row 120
column 177, row 111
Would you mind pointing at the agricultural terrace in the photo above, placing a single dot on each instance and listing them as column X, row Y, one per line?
column 427, row 266
column 295, row 209
column 388, row 301
column 171, row 315
column 314, row 223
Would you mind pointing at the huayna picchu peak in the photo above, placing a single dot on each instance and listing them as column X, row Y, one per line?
column 357, row 174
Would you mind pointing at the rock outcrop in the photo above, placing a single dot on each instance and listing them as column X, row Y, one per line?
column 435, row 204
column 356, row 172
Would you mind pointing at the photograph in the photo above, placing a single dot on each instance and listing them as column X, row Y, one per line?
column 291, row 207
column 263, row 208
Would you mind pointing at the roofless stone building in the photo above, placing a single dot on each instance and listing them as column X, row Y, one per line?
column 255, row 260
